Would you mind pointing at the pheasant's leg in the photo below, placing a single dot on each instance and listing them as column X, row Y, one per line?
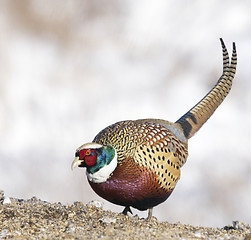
column 150, row 212
column 126, row 210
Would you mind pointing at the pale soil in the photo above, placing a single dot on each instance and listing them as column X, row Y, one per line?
column 36, row 219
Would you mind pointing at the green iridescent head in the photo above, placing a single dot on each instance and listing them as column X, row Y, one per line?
column 100, row 161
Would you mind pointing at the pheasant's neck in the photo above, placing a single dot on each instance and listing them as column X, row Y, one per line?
column 103, row 173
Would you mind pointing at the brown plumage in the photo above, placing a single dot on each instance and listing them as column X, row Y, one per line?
column 142, row 165
column 149, row 161
column 192, row 121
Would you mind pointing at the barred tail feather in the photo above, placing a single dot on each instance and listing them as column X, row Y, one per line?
column 192, row 121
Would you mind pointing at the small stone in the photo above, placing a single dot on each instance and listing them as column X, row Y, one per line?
column 107, row 220
column 3, row 233
column 6, row 200
column 96, row 203
column 198, row 234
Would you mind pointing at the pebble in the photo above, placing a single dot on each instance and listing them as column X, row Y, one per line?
column 96, row 203
column 6, row 200
column 108, row 220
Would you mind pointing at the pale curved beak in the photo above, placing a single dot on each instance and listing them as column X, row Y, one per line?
column 76, row 163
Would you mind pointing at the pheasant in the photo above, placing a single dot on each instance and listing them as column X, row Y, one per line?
column 137, row 163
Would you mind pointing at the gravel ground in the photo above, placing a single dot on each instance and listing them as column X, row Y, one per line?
column 35, row 219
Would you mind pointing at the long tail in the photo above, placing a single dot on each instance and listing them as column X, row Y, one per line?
column 192, row 121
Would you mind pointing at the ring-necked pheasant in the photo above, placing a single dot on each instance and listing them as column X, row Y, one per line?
column 137, row 163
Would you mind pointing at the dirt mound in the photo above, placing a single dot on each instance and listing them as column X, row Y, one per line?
column 35, row 219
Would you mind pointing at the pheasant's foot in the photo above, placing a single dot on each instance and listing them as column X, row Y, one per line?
column 150, row 212
column 126, row 210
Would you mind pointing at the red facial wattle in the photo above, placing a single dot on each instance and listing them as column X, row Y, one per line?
column 91, row 160
column 89, row 156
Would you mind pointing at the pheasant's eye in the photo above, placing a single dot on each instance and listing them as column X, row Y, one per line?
column 88, row 152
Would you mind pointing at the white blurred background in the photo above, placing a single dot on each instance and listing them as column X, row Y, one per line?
column 70, row 68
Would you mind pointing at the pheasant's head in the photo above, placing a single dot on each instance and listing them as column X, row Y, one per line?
column 100, row 161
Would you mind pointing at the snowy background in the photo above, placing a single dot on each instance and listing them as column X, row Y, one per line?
column 69, row 69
